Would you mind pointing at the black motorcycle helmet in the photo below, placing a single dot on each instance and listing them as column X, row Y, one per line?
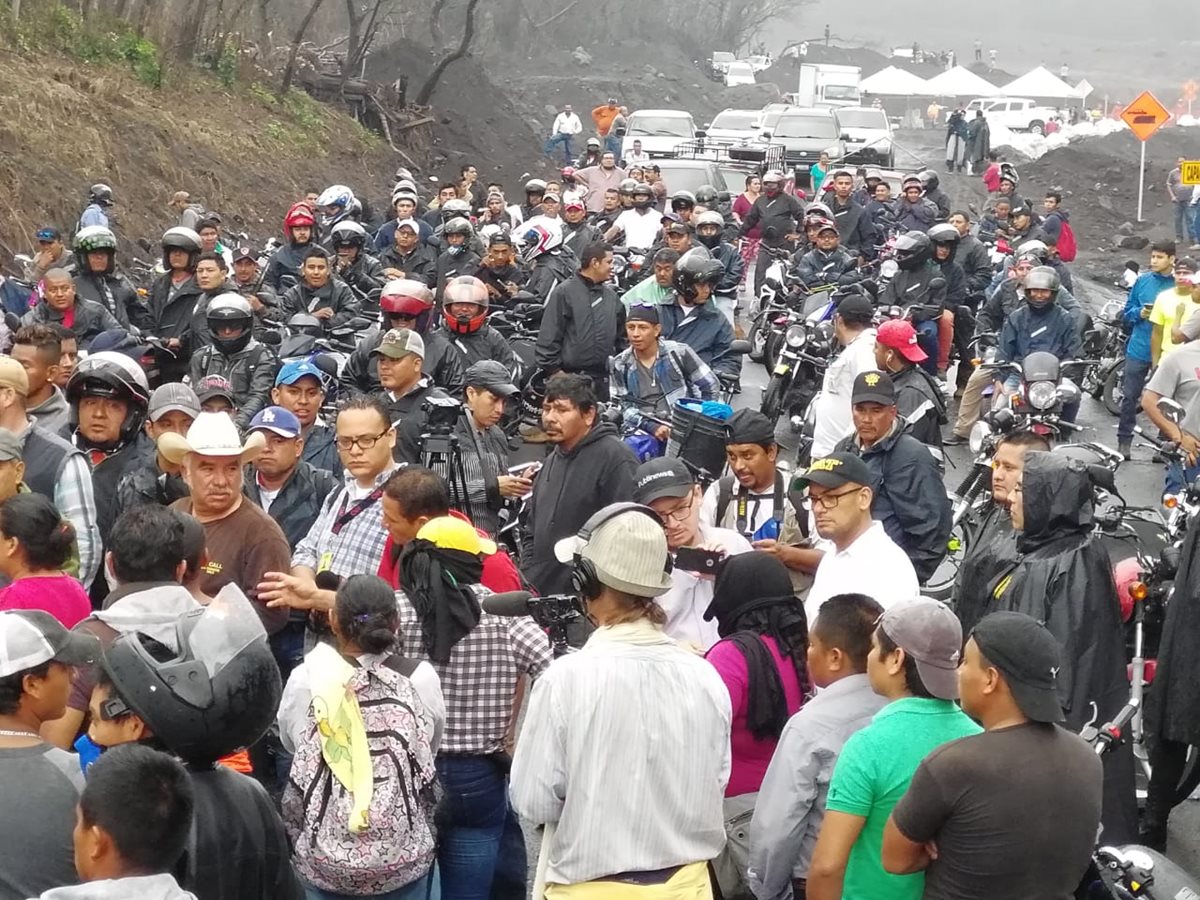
column 219, row 692
column 1045, row 278
column 704, row 228
column 681, row 200
column 305, row 323
column 944, row 235
column 181, row 238
column 92, row 239
column 230, row 310
column 694, row 268
column 627, row 186
column 348, row 233
column 706, row 195
column 929, row 179
column 643, row 196
column 456, row 209
column 101, row 194
column 913, row 249
column 116, row 376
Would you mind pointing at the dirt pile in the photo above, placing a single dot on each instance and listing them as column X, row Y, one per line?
column 66, row 126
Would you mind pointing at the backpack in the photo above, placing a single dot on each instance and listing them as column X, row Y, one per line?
column 1067, row 248
column 397, row 847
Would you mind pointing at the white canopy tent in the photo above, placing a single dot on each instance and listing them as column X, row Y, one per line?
column 1041, row 83
column 961, row 82
column 895, row 82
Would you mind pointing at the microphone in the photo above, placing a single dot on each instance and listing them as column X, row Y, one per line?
column 508, row 604
column 327, row 580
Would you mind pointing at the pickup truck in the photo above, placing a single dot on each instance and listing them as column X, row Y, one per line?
column 1014, row 113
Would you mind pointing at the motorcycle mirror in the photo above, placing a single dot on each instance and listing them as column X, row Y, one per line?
column 937, row 284
column 271, row 338
column 724, row 196
column 1102, row 477
column 23, row 258
column 1171, row 410
column 741, row 348
column 326, row 364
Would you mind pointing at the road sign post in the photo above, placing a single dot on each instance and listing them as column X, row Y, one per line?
column 1144, row 116
column 1190, row 91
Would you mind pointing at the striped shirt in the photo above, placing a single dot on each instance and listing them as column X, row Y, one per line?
column 625, row 747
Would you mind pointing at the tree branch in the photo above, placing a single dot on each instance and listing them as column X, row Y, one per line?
column 427, row 88
column 289, row 70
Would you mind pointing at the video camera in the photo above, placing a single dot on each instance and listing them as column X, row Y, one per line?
column 554, row 613
column 441, row 415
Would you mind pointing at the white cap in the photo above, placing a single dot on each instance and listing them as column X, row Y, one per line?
column 629, row 552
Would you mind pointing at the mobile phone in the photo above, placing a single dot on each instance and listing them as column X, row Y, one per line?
column 698, row 560
column 525, row 470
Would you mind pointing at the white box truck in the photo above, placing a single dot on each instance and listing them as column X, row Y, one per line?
column 824, row 84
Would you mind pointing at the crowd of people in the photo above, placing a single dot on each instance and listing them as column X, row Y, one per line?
column 249, row 640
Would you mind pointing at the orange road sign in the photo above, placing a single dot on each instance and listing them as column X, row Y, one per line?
column 1191, row 90
column 1145, row 115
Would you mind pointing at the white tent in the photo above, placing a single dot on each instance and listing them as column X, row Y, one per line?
column 1041, row 83
column 961, row 82
column 895, row 82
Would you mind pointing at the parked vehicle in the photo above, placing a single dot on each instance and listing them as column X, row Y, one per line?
column 732, row 126
column 1014, row 113
column 720, row 60
column 868, row 134
column 825, row 84
column 805, row 134
column 739, row 72
column 659, row 130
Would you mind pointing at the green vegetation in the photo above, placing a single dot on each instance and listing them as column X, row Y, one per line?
column 55, row 28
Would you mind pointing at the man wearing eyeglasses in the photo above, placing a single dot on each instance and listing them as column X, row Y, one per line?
column 348, row 536
column 863, row 559
column 668, row 487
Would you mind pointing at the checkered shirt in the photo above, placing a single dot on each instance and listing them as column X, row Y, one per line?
column 479, row 680
column 357, row 548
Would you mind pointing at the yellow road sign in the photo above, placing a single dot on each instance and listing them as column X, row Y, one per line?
column 1191, row 172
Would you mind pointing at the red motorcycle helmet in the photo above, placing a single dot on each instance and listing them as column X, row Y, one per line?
column 465, row 289
column 405, row 297
column 299, row 215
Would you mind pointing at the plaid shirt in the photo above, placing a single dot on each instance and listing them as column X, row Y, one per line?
column 357, row 547
column 479, row 680
column 680, row 372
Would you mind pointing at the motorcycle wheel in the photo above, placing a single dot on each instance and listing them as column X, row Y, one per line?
column 772, row 401
column 1112, row 393
column 771, row 350
column 758, row 340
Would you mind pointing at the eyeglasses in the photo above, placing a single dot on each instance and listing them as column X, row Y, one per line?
column 366, row 442
column 828, row 501
column 679, row 514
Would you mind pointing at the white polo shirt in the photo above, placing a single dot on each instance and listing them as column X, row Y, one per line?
column 873, row 565
column 690, row 593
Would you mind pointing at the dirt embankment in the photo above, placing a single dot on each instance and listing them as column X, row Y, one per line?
column 64, row 126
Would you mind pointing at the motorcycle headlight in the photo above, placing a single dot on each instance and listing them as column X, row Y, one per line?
column 795, row 336
column 979, row 433
column 888, row 268
column 1042, row 394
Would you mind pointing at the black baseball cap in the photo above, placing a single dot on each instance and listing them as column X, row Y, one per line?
column 1029, row 658
column 1021, row 210
column 833, row 471
column 662, row 477
column 855, row 306
column 873, row 387
column 749, row 426
column 492, row 376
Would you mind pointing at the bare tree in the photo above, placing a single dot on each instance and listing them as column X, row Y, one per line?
column 289, row 70
column 464, row 46
column 364, row 25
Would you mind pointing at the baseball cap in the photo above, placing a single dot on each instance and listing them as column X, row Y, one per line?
column 49, row 233
column 1020, row 210
column 243, row 253
column 662, row 477
column 833, row 471
column 930, row 633
column 487, row 373
column 670, row 218
column 855, row 305
column 643, row 313
column 211, row 386
column 173, row 397
column 899, row 335
column 1028, row 656
column 551, row 195
column 677, row 228
column 410, row 224
column 297, row 369
column 31, row 637
column 749, row 426
column 399, row 343
column 1186, row 264
column 451, row 533
column 277, row 420
column 873, row 387
column 10, row 445
column 12, row 375
column 628, row 550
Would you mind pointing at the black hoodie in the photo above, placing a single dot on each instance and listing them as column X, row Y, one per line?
column 570, row 488
column 1063, row 577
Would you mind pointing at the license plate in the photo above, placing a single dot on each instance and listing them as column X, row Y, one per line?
column 781, row 369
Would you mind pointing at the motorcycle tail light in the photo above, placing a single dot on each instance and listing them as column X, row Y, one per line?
column 1138, row 590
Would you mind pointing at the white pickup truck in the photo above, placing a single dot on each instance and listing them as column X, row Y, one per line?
column 1014, row 113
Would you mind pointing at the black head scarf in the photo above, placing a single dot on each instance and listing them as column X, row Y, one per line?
column 437, row 582
column 753, row 598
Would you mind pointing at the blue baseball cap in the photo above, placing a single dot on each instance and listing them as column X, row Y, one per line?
column 297, row 369
column 276, row 419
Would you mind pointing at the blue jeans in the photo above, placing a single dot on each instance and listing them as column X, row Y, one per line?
column 1134, row 379
column 927, row 340
column 1178, row 478
column 1194, row 212
column 422, row 889
column 612, row 144
column 477, row 849
column 1182, row 214
column 553, row 141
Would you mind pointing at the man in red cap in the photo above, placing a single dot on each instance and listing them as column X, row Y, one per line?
column 919, row 398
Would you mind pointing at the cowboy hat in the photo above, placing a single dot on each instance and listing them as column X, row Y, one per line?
column 211, row 434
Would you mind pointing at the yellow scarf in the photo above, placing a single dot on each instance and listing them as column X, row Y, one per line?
column 343, row 733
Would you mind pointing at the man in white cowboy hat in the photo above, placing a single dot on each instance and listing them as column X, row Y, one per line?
column 243, row 542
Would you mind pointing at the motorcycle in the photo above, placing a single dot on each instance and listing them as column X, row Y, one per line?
column 1105, row 342
column 804, row 354
column 628, row 267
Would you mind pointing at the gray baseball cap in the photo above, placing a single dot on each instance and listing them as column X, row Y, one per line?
column 31, row 637
column 173, row 397
column 930, row 633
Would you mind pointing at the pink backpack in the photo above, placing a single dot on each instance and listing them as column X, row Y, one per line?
column 397, row 847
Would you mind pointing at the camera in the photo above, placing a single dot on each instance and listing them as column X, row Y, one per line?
column 698, row 560
column 441, row 414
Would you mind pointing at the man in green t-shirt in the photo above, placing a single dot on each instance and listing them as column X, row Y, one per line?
column 913, row 663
